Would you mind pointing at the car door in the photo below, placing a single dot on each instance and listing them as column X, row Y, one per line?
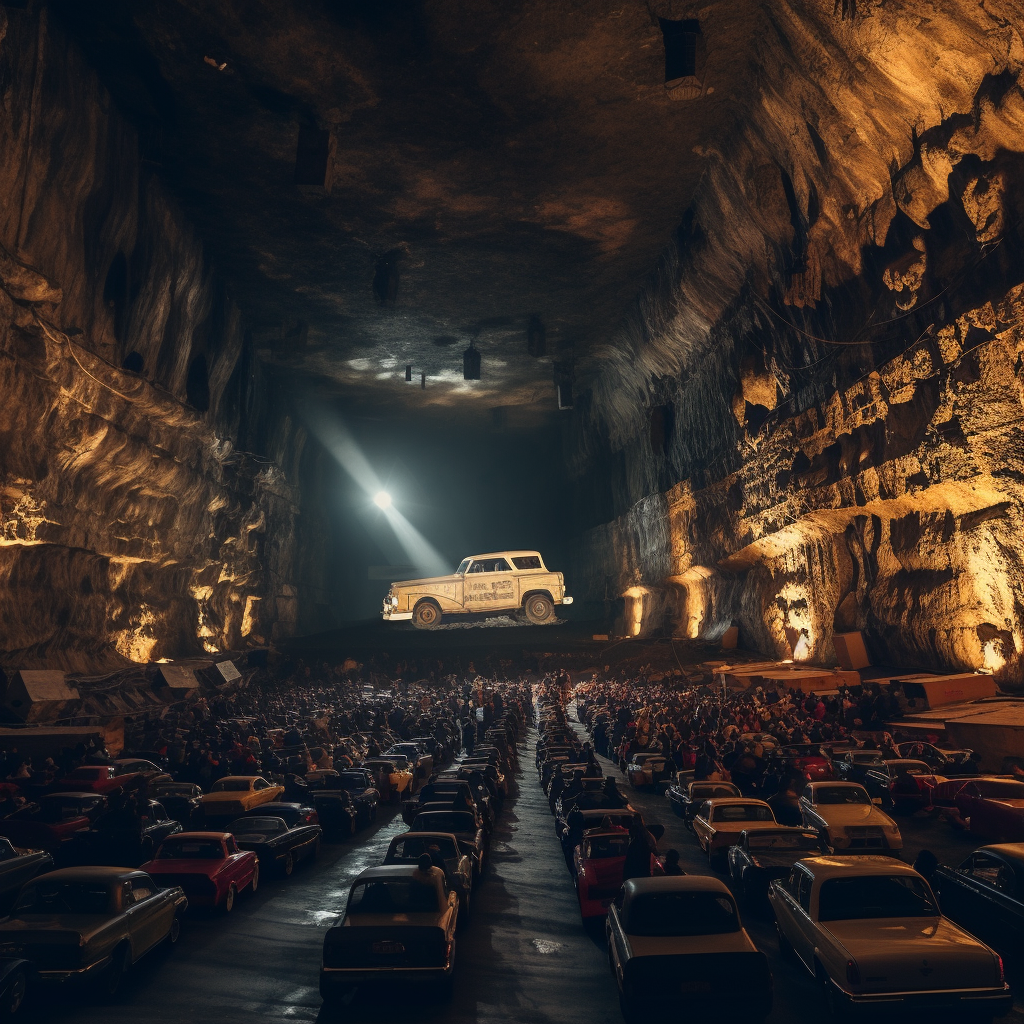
column 986, row 893
column 149, row 914
column 804, row 937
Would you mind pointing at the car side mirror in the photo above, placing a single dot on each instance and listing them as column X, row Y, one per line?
column 877, row 801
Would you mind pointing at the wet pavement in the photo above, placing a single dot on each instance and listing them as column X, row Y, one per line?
column 523, row 957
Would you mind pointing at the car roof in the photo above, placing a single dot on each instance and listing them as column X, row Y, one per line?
column 723, row 801
column 382, row 871
column 857, row 864
column 782, row 830
column 834, row 782
column 240, row 778
column 425, row 835
column 276, row 804
column 501, row 554
column 1009, row 851
column 676, row 883
column 200, row 835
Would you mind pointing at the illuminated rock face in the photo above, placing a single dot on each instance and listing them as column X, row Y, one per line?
column 134, row 523
column 838, row 331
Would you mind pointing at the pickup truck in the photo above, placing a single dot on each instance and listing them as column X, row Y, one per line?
column 502, row 581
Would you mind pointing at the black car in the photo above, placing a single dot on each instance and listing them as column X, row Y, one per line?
column 276, row 843
column 944, row 762
column 762, row 855
column 335, row 808
column 294, row 814
column 461, row 824
column 685, row 798
column 115, row 840
column 985, row 894
column 455, row 793
column 359, row 784
column 17, row 866
column 183, row 802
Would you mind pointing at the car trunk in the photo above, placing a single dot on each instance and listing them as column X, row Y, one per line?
column 385, row 946
column 914, row 954
column 49, row 948
column 604, row 877
column 721, row 978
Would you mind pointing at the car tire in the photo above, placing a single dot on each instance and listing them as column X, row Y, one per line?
column 539, row 609
column 229, row 898
column 113, row 974
column 14, row 995
column 255, row 883
column 174, row 932
column 426, row 614
column 288, row 866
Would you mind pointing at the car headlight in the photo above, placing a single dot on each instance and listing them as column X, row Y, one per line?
column 394, row 601
column 893, row 830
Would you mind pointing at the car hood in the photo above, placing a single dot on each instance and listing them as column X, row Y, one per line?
column 450, row 578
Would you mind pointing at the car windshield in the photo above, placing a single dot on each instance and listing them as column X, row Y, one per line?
column 463, row 566
column 393, row 896
column 743, row 812
column 705, row 791
column 7, row 852
column 1008, row 789
column 231, row 786
column 63, row 898
column 872, row 896
column 764, row 841
column 414, row 847
column 191, row 849
column 841, row 795
column 682, row 913
column 606, row 847
column 443, row 821
column 264, row 826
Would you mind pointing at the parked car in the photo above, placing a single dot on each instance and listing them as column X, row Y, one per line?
column 993, row 808
column 54, row 818
column 806, row 760
column 985, row 894
column 113, row 839
column 236, row 794
column 96, row 778
column 853, row 765
column 869, row 929
column 676, row 944
column 277, row 845
column 765, row 854
column 335, row 808
column 422, row 763
column 601, row 818
column 394, row 929
column 599, row 862
column 648, row 769
column 294, row 814
column 208, row 866
column 183, row 801
column 719, row 823
column 685, row 797
column 365, row 795
column 390, row 780
column 454, row 792
column 848, row 818
column 91, row 923
column 17, row 866
column 458, row 865
column 903, row 784
column 461, row 824
column 960, row 761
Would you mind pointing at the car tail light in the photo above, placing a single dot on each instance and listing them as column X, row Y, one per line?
column 852, row 972
column 1002, row 972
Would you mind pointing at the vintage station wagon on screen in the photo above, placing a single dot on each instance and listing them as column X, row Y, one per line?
column 502, row 581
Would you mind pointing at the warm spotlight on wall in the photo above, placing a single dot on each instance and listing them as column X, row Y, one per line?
column 382, row 500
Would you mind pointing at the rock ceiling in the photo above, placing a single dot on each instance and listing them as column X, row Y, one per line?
column 489, row 164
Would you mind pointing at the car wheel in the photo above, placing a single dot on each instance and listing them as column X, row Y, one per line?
column 834, row 999
column 539, row 609
column 426, row 615
column 255, row 883
column 114, row 974
column 288, row 866
column 786, row 950
column 229, row 899
column 14, row 994
column 174, row 932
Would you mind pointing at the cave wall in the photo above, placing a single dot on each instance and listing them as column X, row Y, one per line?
column 150, row 468
column 811, row 420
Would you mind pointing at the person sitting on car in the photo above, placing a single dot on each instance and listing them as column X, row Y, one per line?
column 785, row 804
column 427, row 874
column 672, row 863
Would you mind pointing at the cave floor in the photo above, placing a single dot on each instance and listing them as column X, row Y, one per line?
column 524, row 957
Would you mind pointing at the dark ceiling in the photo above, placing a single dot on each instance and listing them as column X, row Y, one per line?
column 490, row 163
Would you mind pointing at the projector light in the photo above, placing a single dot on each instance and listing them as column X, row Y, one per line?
column 382, row 500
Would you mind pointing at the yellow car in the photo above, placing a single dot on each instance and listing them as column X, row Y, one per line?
column 392, row 779
column 235, row 794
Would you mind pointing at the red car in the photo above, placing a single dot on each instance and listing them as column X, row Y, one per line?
column 209, row 866
column 806, row 759
column 600, row 861
column 99, row 778
column 56, row 817
column 994, row 808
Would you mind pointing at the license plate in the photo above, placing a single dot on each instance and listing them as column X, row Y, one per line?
column 388, row 946
column 695, row 986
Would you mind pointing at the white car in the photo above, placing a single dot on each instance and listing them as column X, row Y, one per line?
column 719, row 824
column 677, row 942
column 869, row 929
column 850, row 819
